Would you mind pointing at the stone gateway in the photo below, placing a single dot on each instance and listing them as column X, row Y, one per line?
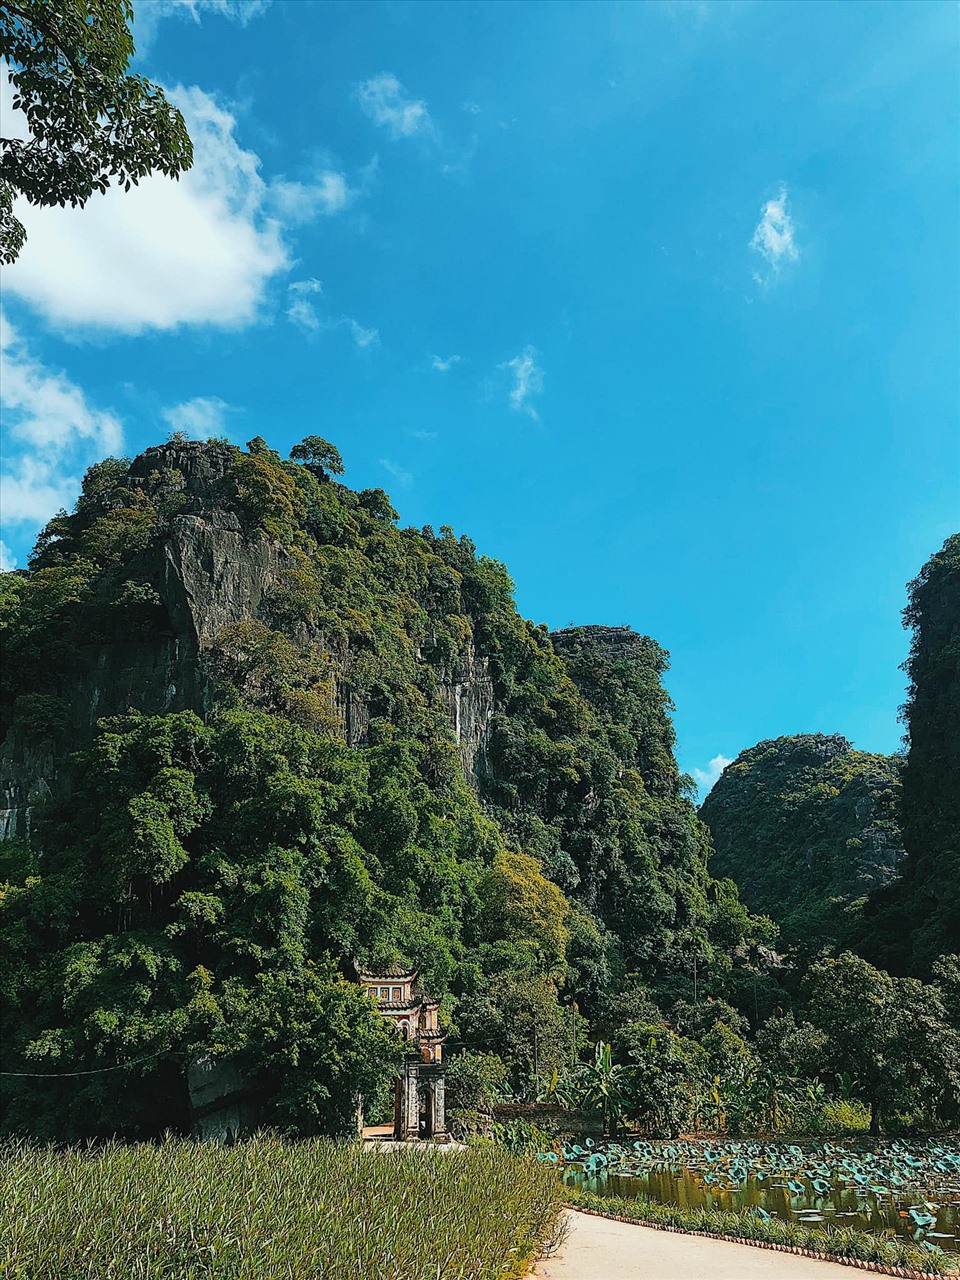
column 419, row 1112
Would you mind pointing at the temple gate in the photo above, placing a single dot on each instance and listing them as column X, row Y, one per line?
column 419, row 1112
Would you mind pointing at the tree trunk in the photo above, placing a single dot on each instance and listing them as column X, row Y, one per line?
column 874, row 1120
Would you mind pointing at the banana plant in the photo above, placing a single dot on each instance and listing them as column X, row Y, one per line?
column 604, row 1088
column 848, row 1087
column 566, row 1088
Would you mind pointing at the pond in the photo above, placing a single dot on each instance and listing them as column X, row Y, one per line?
column 906, row 1189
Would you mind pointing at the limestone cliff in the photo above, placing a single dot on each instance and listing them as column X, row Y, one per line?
column 207, row 568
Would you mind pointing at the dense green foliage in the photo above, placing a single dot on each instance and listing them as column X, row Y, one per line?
column 182, row 1211
column 200, row 879
column 893, row 1035
column 90, row 123
column 323, row 738
column 862, row 1051
column 915, row 921
column 808, row 828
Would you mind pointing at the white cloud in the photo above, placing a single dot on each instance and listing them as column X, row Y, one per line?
column 8, row 560
column 361, row 336
column 301, row 310
column 200, row 418
column 403, row 477
column 296, row 202
column 443, row 366
column 149, row 13
column 705, row 778
column 384, row 99
column 200, row 250
column 52, row 434
column 774, row 237
column 527, row 381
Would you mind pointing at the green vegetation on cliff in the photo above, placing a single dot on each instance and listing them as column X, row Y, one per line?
column 918, row 919
column 254, row 732
column 808, row 828
column 260, row 731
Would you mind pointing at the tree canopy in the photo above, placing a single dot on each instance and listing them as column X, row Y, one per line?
column 90, row 123
column 808, row 827
column 347, row 744
column 912, row 923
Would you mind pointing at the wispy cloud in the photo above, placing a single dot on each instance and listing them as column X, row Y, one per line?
column 384, row 99
column 53, row 434
column 705, row 778
column 425, row 436
column 200, row 418
column 444, row 366
column 297, row 202
column 403, row 477
column 8, row 560
column 527, row 381
column 362, row 336
column 774, row 238
column 148, row 14
column 300, row 309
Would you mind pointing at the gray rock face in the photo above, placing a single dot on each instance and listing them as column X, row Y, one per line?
column 215, row 575
column 469, row 699
column 220, row 1099
column 614, row 642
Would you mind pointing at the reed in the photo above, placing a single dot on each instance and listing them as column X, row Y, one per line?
column 270, row 1209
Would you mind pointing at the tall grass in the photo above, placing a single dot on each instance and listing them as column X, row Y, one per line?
column 267, row 1209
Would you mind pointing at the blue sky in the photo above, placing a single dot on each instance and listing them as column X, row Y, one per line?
column 657, row 302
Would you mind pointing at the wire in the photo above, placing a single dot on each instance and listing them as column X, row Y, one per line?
column 67, row 1075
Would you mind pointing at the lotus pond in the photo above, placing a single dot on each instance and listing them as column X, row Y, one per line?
column 910, row 1190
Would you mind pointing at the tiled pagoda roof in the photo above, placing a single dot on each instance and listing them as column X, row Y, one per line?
column 391, row 973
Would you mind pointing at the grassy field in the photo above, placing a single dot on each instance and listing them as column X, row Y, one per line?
column 267, row 1208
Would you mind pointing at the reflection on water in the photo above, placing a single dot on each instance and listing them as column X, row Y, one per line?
column 834, row 1201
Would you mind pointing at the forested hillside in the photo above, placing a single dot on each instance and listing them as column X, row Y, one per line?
column 918, row 919
column 254, row 730
column 808, row 828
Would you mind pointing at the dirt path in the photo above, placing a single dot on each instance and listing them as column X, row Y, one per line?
column 601, row 1249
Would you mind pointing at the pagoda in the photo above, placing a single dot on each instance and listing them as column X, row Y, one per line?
column 419, row 1104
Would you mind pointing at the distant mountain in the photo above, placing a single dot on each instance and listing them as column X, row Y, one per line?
column 807, row 827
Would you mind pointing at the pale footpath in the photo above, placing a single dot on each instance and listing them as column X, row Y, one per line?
column 603, row 1249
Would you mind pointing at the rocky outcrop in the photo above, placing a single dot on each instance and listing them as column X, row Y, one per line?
column 468, row 696
column 222, row 1103
column 209, row 572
